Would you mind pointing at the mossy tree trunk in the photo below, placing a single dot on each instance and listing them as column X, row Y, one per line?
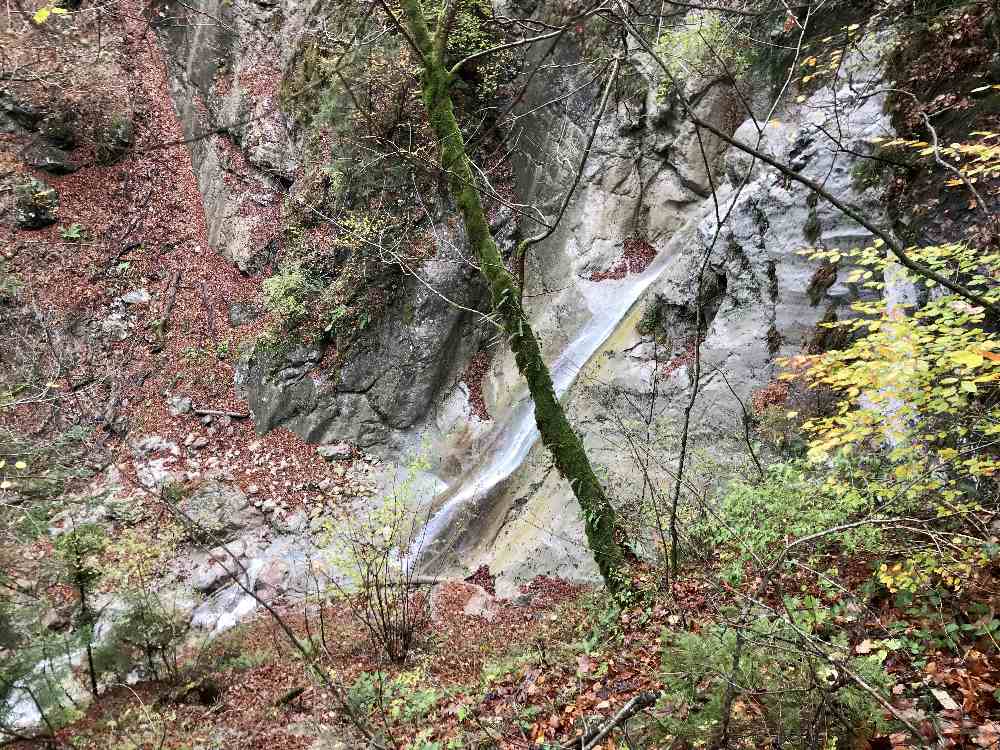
column 557, row 434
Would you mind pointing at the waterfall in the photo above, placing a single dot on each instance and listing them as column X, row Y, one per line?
column 609, row 302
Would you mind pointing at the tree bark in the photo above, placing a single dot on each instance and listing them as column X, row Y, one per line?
column 557, row 434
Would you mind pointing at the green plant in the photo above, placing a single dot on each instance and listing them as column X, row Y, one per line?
column 288, row 294
column 74, row 232
column 780, row 689
column 147, row 632
column 399, row 698
column 376, row 551
column 753, row 522
column 10, row 287
column 79, row 551
column 697, row 47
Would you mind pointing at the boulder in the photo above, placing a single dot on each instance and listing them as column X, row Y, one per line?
column 49, row 159
column 114, row 140
column 17, row 115
column 218, row 566
column 219, row 512
column 336, row 452
column 178, row 405
column 36, row 204
column 58, row 129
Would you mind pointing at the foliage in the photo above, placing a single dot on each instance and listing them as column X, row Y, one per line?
column 376, row 551
column 74, row 232
column 10, row 287
column 79, row 550
column 912, row 380
column 702, row 45
column 917, row 383
column 147, row 632
column 397, row 698
column 288, row 294
column 39, row 471
column 50, row 9
column 754, row 522
column 794, row 694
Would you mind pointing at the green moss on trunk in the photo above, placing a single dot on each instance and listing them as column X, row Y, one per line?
column 557, row 434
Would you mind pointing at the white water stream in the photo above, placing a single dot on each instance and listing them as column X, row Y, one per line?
column 508, row 444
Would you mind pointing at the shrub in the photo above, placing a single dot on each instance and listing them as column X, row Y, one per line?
column 374, row 552
column 755, row 521
column 146, row 632
column 288, row 294
column 781, row 691
column 397, row 698
column 695, row 47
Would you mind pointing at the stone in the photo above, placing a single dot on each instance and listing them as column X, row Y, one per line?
column 217, row 567
column 114, row 140
column 244, row 313
column 474, row 600
column 49, row 159
column 55, row 619
column 179, row 405
column 59, row 129
column 336, row 452
column 137, row 297
column 17, row 115
column 219, row 512
column 36, row 204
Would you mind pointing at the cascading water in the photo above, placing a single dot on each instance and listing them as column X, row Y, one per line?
column 608, row 302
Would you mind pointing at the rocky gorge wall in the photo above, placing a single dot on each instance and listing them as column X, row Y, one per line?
column 613, row 293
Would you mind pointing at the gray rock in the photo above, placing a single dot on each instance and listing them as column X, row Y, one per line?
column 219, row 512
column 218, row 566
column 59, row 129
column 336, row 452
column 55, row 619
column 775, row 139
column 244, row 313
column 36, row 204
column 17, row 115
column 49, row 159
column 114, row 139
column 137, row 297
column 179, row 405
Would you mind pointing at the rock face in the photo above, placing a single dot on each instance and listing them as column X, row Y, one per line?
column 759, row 301
column 253, row 178
column 637, row 271
column 36, row 204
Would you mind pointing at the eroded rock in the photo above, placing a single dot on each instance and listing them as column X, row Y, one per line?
column 36, row 204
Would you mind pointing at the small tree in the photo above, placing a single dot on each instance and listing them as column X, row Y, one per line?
column 374, row 554
column 79, row 553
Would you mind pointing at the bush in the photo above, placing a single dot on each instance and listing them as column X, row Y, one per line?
column 755, row 521
column 781, row 691
column 146, row 632
column 373, row 551
column 288, row 294
column 694, row 48
column 397, row 698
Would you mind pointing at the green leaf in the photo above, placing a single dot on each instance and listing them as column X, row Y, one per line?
column 967, row 358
